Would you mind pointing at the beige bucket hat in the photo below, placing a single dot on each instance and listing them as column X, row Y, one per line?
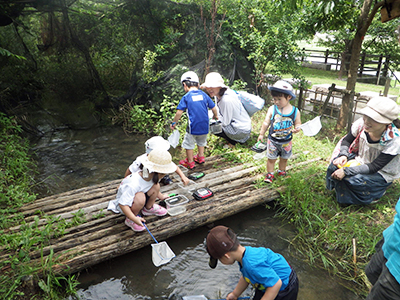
column 213, row 80
column 382, row 110
column 160, row 161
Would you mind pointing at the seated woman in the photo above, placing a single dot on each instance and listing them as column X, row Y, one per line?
column 374, row 144
column 236, row 123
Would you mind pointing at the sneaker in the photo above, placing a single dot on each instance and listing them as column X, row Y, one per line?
column 281, row 173
column 269, row 177
column 156, row 210
column 185, row 163
column 133, row 225
column 199, row 159
column 166, row 180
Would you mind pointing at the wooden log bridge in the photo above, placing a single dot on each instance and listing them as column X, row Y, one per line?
column 101, row 235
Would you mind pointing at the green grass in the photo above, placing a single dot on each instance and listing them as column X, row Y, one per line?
column 316, row 77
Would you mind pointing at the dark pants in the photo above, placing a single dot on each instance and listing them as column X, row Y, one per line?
column 360, row 189
column 229, row 140
column 289, row 293
column 385, row 286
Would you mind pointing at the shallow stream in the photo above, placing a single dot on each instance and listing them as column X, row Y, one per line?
column 71, row 159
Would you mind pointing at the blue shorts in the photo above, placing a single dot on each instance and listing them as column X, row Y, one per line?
column 274, row 150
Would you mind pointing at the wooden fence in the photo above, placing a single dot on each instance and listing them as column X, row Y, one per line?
column 372, row 68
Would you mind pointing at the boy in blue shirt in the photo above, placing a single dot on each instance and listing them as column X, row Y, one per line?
column 383, row 271
column 268, row 272
column 196, row 104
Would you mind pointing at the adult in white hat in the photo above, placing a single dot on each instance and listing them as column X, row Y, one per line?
column 160, row 143
column 138, row 192
column 366, row 161
column 236, row 123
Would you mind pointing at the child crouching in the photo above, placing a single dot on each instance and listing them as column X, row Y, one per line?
column 139, row 191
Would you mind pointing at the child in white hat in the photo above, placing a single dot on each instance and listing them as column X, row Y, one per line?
column 139, row 191
column 282, row 120
column 196, row 104
column 152, row 143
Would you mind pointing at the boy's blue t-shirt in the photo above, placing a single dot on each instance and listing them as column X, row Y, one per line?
column 196, row 104
column 391, row 245
column 262, row 268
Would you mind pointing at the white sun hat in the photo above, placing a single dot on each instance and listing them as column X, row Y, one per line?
column 158, row 160
column 190, row 76
column 214, row 80
column 382, row 110
column 156, row 142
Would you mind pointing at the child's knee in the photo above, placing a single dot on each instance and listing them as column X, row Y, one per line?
column 140, row 199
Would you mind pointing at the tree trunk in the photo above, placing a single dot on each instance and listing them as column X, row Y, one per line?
column 364, row 22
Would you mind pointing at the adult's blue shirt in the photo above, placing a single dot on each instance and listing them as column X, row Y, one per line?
column 391, row 246
column 262, row 268
column 196, row 104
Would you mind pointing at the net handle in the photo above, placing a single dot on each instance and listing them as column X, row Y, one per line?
column 149, row 232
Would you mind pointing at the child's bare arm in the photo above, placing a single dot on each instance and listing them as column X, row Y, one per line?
column 265, row 124
column 130, row 215
column 184, row 179
column 297, row 123
column 239, row 289
column 215, row 112
column 272, row 292
column 177, row 117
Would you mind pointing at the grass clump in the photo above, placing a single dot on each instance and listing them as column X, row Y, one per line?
column 18, row 272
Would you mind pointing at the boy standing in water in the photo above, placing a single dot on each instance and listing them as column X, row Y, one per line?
column 268, row 272
column 283, row 120
column 196, row 104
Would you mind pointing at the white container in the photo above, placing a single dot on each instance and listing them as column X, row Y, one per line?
column 190, row 187
column 176, row 204
column 312, row 127
column 215, row 127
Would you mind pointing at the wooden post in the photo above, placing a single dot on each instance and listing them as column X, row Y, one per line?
column 300, row 99
column 326, row 55
column 387, row 86
column 332, row 87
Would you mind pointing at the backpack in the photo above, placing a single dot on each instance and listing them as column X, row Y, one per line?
column 251, row 103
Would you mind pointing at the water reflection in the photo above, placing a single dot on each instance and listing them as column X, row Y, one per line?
column 70, row 159
column 133, row 276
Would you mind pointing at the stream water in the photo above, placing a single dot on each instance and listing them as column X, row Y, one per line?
column 70, row 159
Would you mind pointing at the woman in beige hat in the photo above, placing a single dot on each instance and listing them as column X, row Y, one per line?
column 367, row 160
column 139, row 191
column 236, row 123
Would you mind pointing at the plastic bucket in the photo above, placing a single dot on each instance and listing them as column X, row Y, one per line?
column 216, row 127
column 312, row 127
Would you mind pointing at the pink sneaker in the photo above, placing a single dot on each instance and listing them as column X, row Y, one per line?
column 133, row 225
column 156, row 210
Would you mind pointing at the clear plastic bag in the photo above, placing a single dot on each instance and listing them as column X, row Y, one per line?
column 173, row 139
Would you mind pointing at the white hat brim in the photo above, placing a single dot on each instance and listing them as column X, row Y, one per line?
column 152, row 167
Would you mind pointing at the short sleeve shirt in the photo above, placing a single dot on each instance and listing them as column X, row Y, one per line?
column 262, row 268
column 196, row 104
column 129, row 187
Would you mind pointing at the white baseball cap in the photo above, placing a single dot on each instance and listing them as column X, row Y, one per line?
column 190, row 76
